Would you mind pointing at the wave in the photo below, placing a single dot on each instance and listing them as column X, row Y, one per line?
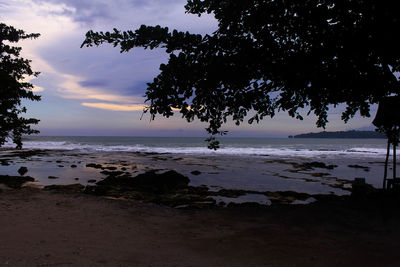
column 283, row 151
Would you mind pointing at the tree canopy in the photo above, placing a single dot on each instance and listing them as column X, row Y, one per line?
column 272, row 55
column 14, row 70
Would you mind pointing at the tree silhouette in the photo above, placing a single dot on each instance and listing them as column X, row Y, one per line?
column 272, row 55
column 14, row 70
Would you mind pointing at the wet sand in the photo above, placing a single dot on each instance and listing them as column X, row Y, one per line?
column 42, row 228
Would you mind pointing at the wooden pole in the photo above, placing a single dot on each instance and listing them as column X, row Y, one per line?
column 395, row 140
column 394, row 162
column 386, row 164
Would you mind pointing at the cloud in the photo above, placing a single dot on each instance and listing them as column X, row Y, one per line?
column 63, row 23
column 4, row 4
column 115, row 107
column 128, row 14
column 86, row 12
column 71, row 88
column 56, row 46
column 47, row 18
column 37, row 89
column 96, row 83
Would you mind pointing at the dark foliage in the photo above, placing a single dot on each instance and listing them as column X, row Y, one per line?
column 13, row 88
column 269, row 56
column 387, row 119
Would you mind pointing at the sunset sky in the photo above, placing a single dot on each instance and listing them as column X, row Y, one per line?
column 98, row 91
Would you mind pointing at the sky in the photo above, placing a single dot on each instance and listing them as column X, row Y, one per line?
column 99, row 91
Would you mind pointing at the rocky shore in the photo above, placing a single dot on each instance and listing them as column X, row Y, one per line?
column 176, row 180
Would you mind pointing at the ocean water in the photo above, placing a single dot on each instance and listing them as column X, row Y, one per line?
column 286, row 147
column 257, row 164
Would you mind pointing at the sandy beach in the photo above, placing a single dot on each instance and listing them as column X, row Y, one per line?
column 42, row 228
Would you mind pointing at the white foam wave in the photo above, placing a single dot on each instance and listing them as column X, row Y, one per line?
column 232, row 150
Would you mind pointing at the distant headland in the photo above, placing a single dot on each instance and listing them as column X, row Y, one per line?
column 341, row 134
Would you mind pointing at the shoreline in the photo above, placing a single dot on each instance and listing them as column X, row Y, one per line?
column 44, row 228
column 207, row 180
column 319, row 175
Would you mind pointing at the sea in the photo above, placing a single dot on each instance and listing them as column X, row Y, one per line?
column 313, row 166
column 287, row 147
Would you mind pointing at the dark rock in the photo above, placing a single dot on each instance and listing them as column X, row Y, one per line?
column 60, row 166
column 73, row 166
column 286, row 197
column 93, row 165
column 309, row 180
column 148, row 182
column 361, row 189
column 22, row 170
column 97, row 190
column 76, row 179
column 312, row 165
column 28, row 153
column 169, row 188
column 197, row 190
column 159, row 158
column 123, row 169
column 15, row 181
column 91, row 181
column 109, row 168
column 53, row 177
column 356, row 166
column 160, row 183
column 4, row 162
column 195, row 172
column 231, row 193
column 320, row 174
column 112, row 173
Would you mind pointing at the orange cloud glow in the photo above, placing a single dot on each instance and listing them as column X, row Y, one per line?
column 115, row 107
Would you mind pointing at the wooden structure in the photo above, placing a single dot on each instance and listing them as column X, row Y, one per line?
column 387, row 120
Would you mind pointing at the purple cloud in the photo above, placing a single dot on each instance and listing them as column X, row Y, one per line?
column 94, row 83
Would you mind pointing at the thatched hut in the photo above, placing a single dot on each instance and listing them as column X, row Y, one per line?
column 387, row 120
